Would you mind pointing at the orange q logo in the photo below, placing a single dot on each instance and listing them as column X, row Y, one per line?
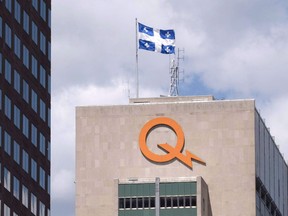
column 172, row 151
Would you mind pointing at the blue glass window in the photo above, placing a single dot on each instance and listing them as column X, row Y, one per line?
column 41, row 209
column 16, row 116
column 42, row 143
column 49, row 51
column 42, row 178
column 49, row 18
column 25, row 195
column 34, row 169
column 7, row 179
column 34, row 66
column 34, row 33
column 8, row 35
column 25, row 91
column 42, row 76
column 16, row 187
column 16, row 150
column 49, row 151
column 7, row 107
column 17, row 11
column 25, row 129
column 43, row 9
column 26, row 22
column 0, row 103
column 17, row 46
column 0, row 26
column 7, row 143
column 8, row 5
column 42, row 43
column 7, row 71
column 49, row 84
column 25, row 161
column 33, row 204
column 34, row 100
column 49, row 117
column 42, row 110
column 25, row 56
column 16, row 81
column 35, row 4
column 34, row 134
column 0, row 63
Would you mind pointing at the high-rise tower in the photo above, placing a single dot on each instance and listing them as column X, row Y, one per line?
column 25, row 92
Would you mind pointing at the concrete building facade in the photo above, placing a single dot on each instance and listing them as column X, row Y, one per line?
column 135, row 159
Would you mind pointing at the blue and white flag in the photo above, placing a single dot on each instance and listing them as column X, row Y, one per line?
column 156, row 40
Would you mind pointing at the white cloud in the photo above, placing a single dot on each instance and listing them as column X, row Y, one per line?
column 237, row 47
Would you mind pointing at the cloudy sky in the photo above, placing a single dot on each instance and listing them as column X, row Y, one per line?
column 232, row 49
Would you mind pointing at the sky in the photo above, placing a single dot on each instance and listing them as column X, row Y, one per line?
column 232, row 50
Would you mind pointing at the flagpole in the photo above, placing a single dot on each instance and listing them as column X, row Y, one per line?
column 137, row 72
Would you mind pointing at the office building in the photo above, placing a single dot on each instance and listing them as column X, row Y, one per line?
column 135, row 159
column 25, row 74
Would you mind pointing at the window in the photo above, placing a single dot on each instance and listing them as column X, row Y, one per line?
column 8, row 35
column 26, row 22
column 7, row 71
column 7, row 180
column 16, row 189
column 17, row 11
column 48, row 184
column 34, row 100
column 8, row 5
column 49, row 51
column 42, row 76
column 33, row 204
column 25, row 196
column 25, row 56
column 49, row 117
column 42, row 110
column 0, row 52
column 43, row 9
column 16, row 116
column 49, row 84
column 25, row 91
column 25, row 129
column 25, row 161
column 0, row 102
column 34, row 169
column 42, row 178
column 34, row 135
column 16, row 154
column 17, row 46
column 6, row 208
column 16, row 81
column 35, row 4
column 34, row 67
column 0, row 26
column 7, row 143
column 7, row 107
column 41, row 209
column 42, row 42
column 49, row 151
column 34, row 33
column 42, row 144
column 49, row 18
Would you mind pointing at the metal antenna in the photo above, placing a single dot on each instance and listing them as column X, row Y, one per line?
column 174, row 74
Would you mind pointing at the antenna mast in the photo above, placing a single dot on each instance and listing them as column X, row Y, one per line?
column 174, row 74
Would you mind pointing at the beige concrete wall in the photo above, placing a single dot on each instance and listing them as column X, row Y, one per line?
column 219, row 132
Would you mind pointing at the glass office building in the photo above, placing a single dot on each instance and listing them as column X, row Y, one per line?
column 25, row 74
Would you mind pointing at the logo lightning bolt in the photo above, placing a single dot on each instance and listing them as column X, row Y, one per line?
column 186, row 159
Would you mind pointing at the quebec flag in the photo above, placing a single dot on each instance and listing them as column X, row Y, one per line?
column 156, row 40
